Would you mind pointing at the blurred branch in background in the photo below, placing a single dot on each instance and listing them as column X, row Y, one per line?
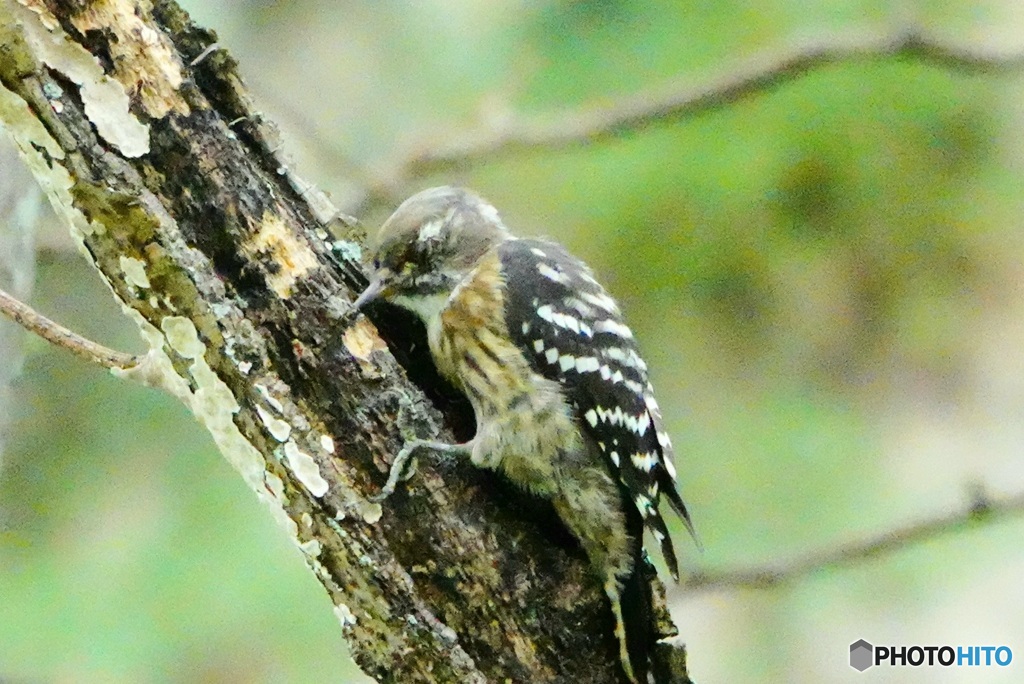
column 982, row 510
column 512, row 133
column 52, row 332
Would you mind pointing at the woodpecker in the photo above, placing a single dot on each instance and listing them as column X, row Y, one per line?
column 562, row 400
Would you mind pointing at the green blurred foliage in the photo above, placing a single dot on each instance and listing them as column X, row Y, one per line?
column 129, row 552
column 825, row 280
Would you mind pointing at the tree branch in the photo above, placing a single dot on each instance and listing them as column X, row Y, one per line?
column 52, row 332
column 981, row 511
column 679, row 100
column 175, row 188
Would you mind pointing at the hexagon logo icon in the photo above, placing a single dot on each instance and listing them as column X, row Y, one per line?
column 861, row 655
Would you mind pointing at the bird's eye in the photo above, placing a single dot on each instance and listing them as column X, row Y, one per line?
column 376, row 263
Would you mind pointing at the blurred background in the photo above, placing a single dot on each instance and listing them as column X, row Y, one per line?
column 826, row 280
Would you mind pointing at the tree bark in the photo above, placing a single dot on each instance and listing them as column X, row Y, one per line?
column 140, row 130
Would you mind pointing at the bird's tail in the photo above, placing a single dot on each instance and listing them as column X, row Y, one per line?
column 638, row 610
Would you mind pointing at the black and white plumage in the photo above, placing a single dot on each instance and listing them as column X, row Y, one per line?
column 572, row 331
column 563, row 404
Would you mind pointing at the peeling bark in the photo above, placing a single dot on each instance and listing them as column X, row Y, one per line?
column 146, row 141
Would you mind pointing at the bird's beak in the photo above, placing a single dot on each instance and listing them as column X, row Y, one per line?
column 372, row 292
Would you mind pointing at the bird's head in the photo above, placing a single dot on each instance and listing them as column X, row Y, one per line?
column 431, row 242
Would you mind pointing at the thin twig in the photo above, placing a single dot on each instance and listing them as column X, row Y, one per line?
column 35, row 322
column 982, row 510
column 682, row 99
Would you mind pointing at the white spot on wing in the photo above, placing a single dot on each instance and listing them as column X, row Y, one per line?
column 616, row 354
column 601, row 301
column 643, row 424
column 643, row 505
column 591, row 417
column 614, row 327
column 563, row 320
column 587, row 364
column 615, row 458
column 634, row 386
column 669, row 468
column 612, row 416
column 644, row 461
column 551, row 355
column 539, row 252
column 627, row 357
column 566, row 362
column 579, row 307
column 538, row 346
column 566, row 321
column 553, row 274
